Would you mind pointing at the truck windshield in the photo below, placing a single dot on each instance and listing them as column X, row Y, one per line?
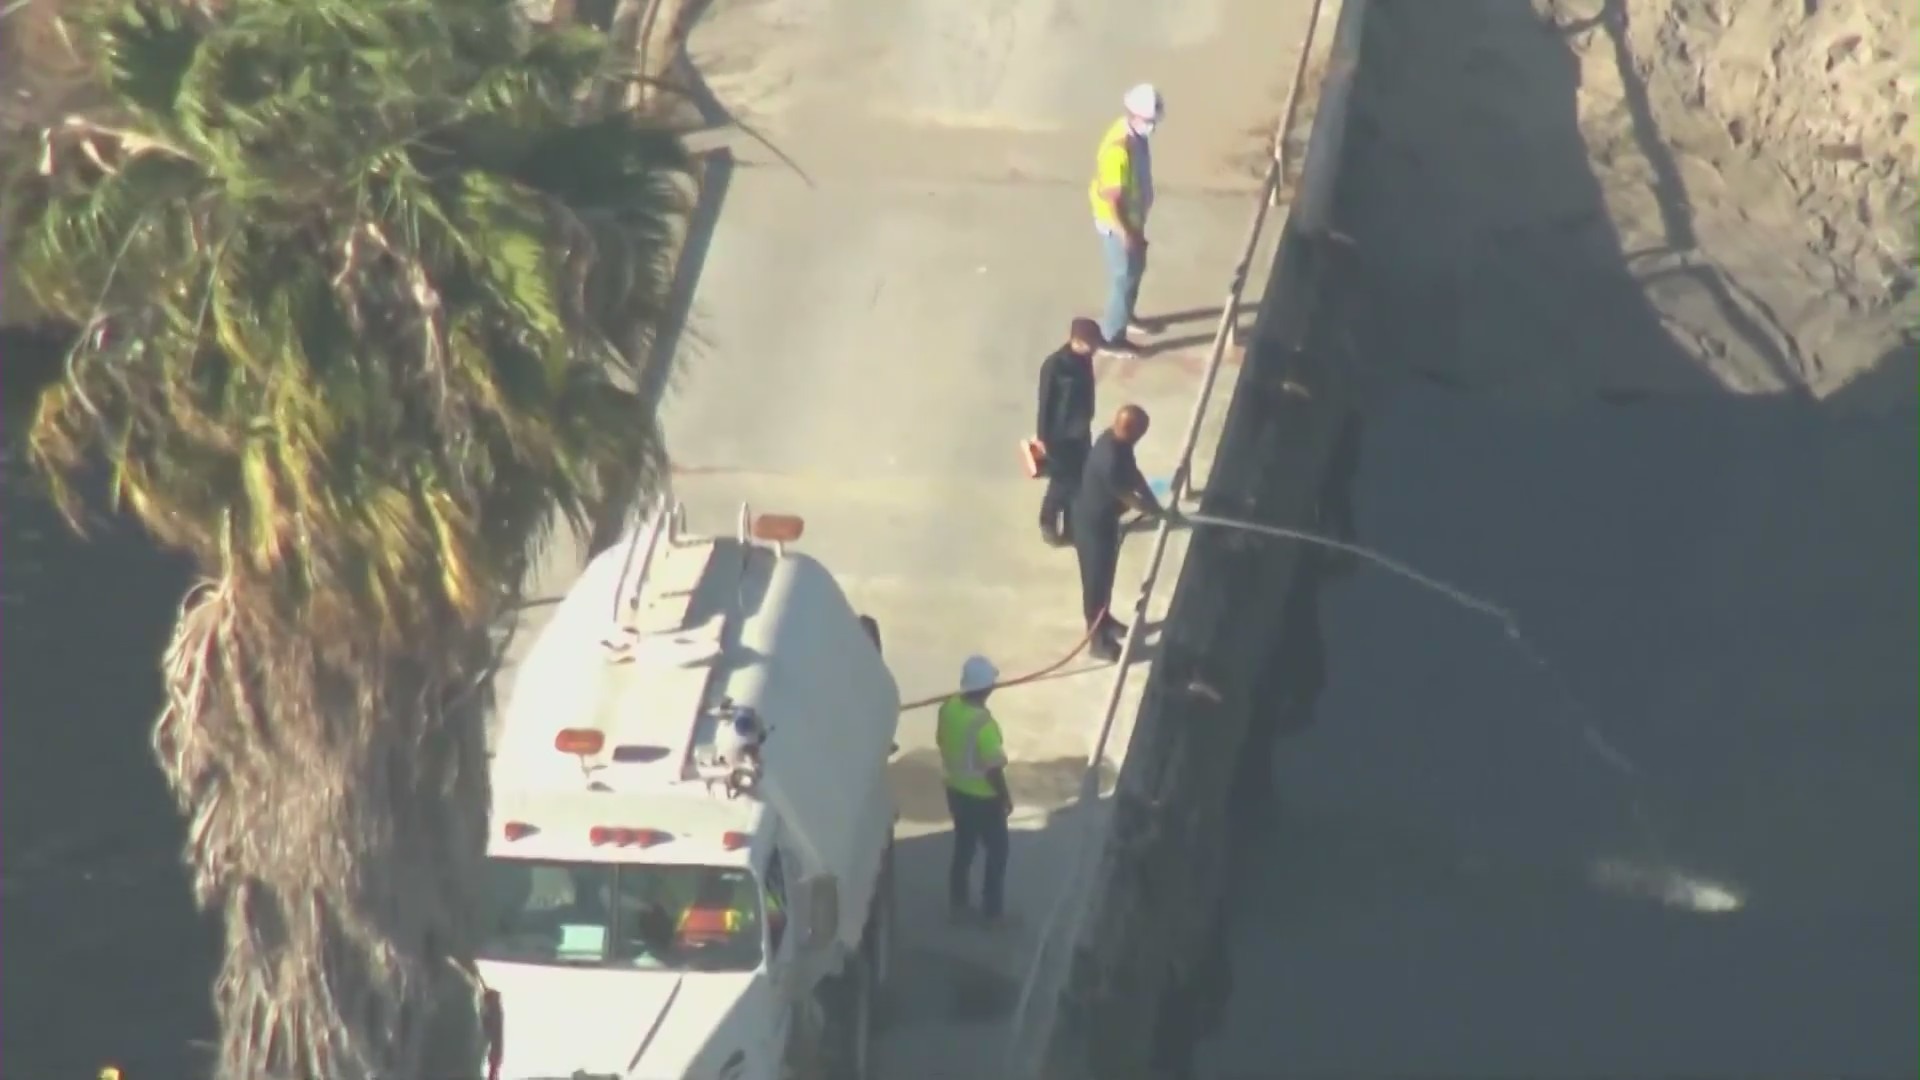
column 622, row 915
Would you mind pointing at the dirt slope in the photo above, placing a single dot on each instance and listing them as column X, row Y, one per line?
column 1745, row 166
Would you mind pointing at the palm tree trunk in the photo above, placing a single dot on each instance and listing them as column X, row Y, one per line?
column 336, row 801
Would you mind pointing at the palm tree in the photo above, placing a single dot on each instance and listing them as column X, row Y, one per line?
column 360, row 297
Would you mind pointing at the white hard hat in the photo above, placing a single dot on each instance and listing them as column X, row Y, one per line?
column 1144, row 101
column 977, row 674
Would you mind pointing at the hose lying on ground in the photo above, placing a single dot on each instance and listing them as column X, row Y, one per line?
column 1033, row 676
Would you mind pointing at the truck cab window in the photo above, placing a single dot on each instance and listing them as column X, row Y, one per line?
column 622, row 915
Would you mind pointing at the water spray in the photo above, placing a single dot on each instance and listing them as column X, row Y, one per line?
column 1509, row 622
column 1658, row 879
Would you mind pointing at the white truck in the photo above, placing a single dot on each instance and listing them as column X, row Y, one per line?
column 690, row 857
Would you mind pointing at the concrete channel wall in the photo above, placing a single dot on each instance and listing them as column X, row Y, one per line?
column 1153, row 903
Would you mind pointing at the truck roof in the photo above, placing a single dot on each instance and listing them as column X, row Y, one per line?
column 661, row 649
column 574, row 826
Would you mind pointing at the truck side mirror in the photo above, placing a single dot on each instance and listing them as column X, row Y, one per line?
column 823, row 912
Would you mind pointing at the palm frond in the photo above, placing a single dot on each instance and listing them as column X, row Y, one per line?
column 364, row 298
column 145, row 55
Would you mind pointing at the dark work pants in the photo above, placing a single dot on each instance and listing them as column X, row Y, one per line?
column 978, row 823
column 1066, row 460
column 1096, row 541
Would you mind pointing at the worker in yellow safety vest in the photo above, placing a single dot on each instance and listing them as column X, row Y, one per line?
column 974, row 762
column 1122, row 196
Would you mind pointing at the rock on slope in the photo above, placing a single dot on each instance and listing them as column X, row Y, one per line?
column 1573, row 188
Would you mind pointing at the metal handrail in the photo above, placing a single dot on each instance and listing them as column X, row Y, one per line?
column 1223, row 336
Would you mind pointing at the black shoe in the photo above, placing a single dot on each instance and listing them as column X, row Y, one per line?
column 1104, row 648
column 1054, row 537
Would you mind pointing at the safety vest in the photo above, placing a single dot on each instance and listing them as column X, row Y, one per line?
column 962, row 725
column 1114, row 166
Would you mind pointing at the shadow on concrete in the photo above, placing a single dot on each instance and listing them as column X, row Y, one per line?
column 1438, row 871
column 715, row 175
column 1201, row 316
column 1203, row 330
column 662, row 366
column 956, row 984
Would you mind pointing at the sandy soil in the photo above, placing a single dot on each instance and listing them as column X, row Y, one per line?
column 1743, row 171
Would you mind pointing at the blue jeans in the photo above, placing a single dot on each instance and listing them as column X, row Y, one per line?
column 1124, row 271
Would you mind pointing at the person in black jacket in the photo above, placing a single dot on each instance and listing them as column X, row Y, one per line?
column 1065, row 425
column 1111, row 486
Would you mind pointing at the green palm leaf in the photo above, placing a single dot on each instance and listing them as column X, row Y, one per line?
column 360, row 292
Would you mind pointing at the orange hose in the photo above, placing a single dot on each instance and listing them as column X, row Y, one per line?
column 1032, row 676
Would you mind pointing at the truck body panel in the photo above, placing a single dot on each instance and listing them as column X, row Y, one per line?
column 651, row 1026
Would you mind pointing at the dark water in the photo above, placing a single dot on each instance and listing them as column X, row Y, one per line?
column 103, row 957
column 1728, row 588
column 1447, row 879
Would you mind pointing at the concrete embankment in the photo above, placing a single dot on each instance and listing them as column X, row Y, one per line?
column 1139, row 970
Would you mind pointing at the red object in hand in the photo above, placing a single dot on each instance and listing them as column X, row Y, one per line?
column 1033, row 454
